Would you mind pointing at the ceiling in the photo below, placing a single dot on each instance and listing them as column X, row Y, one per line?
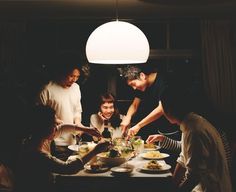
column 106, row 9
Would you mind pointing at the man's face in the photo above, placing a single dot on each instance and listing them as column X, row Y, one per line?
column 71, row 78
column 139, row 84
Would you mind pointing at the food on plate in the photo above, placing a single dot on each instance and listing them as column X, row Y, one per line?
column 153, row 154
column 97, row 165
column 153, row 164
column 149, row 146
column 111, row 158
column 85, row 147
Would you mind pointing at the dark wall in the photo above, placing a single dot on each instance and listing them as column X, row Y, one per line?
column 44, row 39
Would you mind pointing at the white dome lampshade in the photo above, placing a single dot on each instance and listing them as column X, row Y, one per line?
column 117, row 42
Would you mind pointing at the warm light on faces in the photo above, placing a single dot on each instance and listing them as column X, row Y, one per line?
column 72, row 78
column 107, row 110
column 138, row 84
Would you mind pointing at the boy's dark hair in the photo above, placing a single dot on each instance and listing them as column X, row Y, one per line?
column 176, row 102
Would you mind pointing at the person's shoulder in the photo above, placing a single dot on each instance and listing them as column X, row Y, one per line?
column 94, row 116
column 49, row 85
column 196, row 122
column 75, row 85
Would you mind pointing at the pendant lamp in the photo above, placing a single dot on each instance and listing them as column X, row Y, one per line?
column 117, row 42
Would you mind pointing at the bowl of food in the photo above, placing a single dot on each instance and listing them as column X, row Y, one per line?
column 112, row 157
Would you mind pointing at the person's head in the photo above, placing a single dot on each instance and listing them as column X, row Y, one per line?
column 176, row 105
column 136, row 76
column 43, row 122
column 69, row 69
column 107, row 105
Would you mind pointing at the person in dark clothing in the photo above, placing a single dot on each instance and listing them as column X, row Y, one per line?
column 148, row 86
column 36, row 163
column 202, row 164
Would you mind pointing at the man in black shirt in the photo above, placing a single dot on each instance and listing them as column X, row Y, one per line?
column 148, row 86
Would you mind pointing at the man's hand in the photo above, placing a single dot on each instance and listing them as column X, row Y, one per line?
column 124, row 124
column 133, row 131
column 154, row 138
column 102, row 146
column 93, row 132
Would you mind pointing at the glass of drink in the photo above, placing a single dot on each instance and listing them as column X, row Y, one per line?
column 138, row 144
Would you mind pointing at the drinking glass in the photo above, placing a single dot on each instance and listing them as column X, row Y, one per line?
column 138, row 144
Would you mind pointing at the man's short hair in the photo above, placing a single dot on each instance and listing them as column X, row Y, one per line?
column 66, row 63
column 131, row 72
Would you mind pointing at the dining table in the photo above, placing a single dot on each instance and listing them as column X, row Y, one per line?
column 139, row 180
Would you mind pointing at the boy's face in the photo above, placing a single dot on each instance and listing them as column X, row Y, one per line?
column 140, row 83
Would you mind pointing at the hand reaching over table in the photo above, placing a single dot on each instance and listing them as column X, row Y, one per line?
column 102, row 146
column 92, row 131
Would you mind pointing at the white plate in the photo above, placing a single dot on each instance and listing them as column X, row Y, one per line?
column 164, row 167
column 87, row 167
column 146, row 156
column 76, row 147
column 121, row 170
column 156, row 147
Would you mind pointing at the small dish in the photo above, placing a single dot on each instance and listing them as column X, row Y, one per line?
column 121, row 170
column 85, row 147
column 102, row 169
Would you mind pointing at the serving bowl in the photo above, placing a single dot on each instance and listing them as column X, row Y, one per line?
column 111, row 161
